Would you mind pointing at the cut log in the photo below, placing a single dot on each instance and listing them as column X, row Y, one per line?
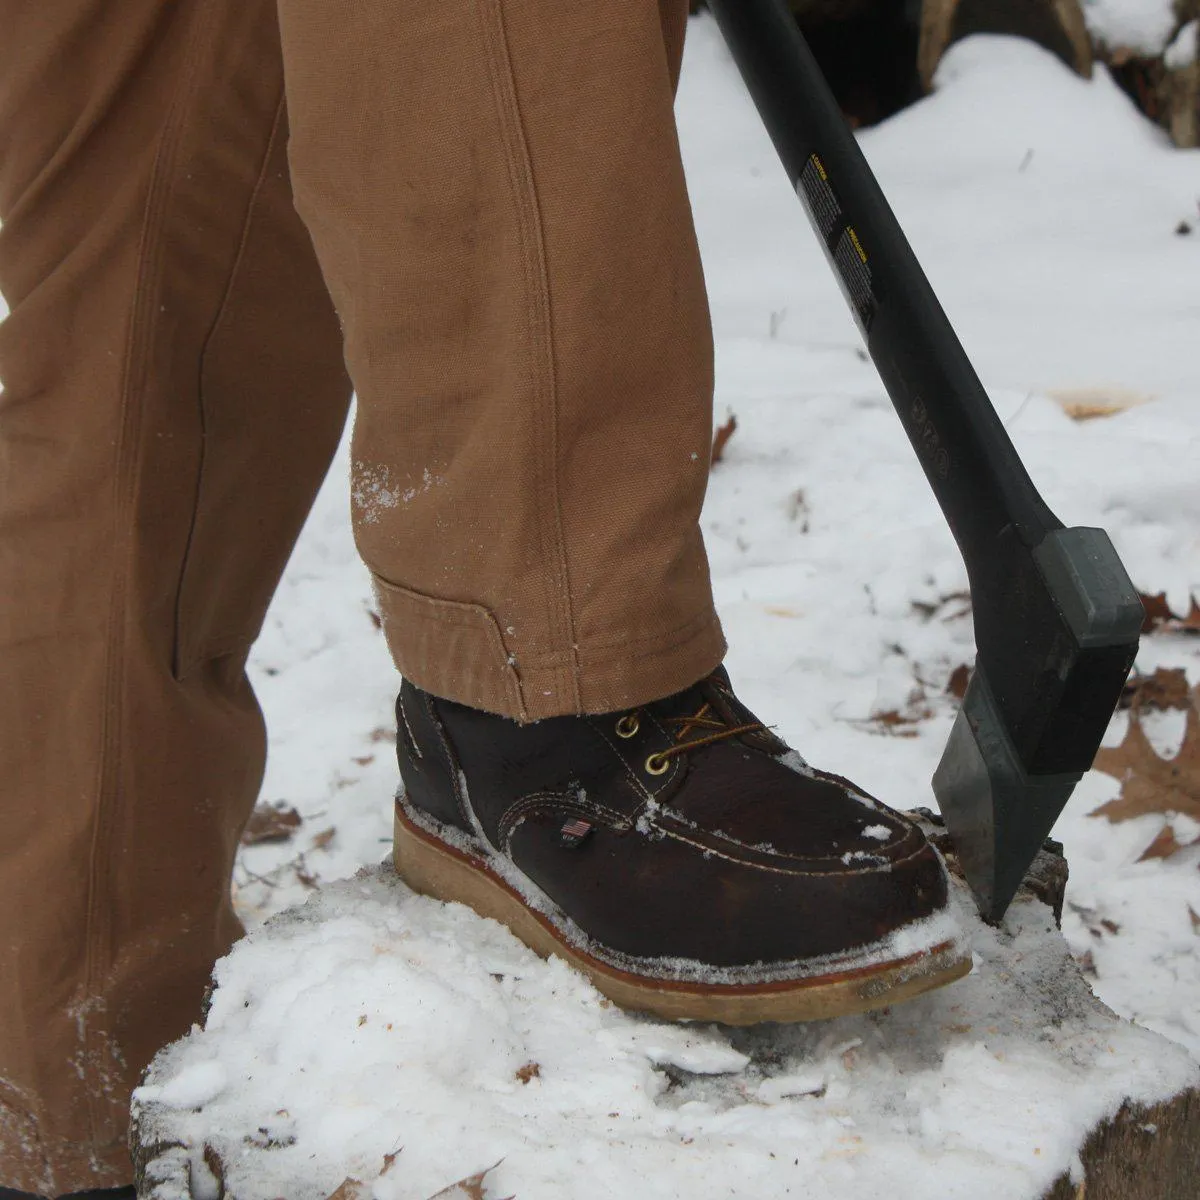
column 1056, row 24
column 1083, row 1104
column 1180, row 86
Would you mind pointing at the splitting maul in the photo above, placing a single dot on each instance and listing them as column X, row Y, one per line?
column 1056, row 618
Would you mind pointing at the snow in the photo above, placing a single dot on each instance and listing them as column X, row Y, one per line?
column 1044, row 209
column 372, row 1021
column 1143, row 26
column 1183, row 52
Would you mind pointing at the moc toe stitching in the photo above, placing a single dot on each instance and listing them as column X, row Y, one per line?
column 882, row 860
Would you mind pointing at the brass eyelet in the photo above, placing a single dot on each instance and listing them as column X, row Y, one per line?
column 657, row 764
column 627, row 726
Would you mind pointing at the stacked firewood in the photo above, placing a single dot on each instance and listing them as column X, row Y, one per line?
column 1163, row 78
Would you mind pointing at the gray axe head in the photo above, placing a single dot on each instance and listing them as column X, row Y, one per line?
column 1037, row 705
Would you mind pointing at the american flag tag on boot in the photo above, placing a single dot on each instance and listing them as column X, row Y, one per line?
column 574, row 832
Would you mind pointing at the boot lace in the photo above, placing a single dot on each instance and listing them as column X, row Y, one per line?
column 706, row 721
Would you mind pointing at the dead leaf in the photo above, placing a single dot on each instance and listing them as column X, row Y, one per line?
column 1151, row 784
column 1159, row 615
column 349, row 1189
column 466, row 1189
column 321, row 840
column 1163, row 846
column 1158, row 612
column 1191, row 622
column 363, row 760
column 721, row 438
column 271, row 823
column 781, row 610
column 899, row 724
column 959, row 678
column 1166, row 687
column 1195, row 917
column 530, row 1070
column 1089, row 404
column 382, row 734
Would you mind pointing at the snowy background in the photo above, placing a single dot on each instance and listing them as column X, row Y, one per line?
column 1062, row 233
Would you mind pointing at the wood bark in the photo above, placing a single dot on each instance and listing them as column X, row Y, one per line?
column 1056, row 24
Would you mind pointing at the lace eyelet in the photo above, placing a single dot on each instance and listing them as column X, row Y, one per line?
column 627, row 726
column 657, row 764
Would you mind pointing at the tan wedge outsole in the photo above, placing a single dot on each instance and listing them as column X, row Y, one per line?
column 433, row 868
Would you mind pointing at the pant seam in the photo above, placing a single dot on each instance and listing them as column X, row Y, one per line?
column 540, row 317
column 142, row 323
column 182, row 661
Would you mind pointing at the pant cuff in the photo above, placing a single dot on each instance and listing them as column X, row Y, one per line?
column 457, row 651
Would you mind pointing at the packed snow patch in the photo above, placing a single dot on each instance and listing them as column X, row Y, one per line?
column 374, row 1021
column 1142, row 26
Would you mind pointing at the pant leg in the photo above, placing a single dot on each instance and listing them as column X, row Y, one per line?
column 173, row 390
column 496, row 196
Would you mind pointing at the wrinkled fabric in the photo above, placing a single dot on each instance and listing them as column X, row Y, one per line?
column 491, row 192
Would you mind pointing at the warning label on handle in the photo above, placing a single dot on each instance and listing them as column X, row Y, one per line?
column 842, row 243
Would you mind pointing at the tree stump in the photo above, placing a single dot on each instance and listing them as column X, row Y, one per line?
column 1056, row 24
column 1180, row 87
column 196, row 1136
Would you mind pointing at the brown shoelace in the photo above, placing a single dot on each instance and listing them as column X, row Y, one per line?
column 711, row 725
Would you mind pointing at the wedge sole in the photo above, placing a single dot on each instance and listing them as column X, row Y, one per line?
column 435, row 868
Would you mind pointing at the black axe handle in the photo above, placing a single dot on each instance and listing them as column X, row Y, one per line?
column 1056, row 617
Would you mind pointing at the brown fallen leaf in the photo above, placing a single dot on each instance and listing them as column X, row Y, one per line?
column 467, row 1189
column 349, row 1189
column 1163, row 846
column 1089, row 404
column 1159, row 615
column 899, row 724
column 1166, row 687
column 1158, row 611
column 959, row 678
column 271, row 823
column 530, row 1070
column 1150, row 784
column 321, row 840
column 721, row 438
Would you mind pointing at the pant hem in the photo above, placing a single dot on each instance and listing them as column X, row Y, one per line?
column 457, row 651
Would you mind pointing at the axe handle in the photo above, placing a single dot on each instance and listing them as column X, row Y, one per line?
column 980, row 483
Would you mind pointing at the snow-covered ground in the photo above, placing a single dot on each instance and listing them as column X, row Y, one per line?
column 1047, row 213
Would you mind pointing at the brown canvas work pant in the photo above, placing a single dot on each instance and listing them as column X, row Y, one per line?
column 495, row 196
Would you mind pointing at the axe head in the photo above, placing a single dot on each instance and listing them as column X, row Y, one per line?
column 1037, row 706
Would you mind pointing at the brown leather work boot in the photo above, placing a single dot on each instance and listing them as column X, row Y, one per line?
column 679, row 855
